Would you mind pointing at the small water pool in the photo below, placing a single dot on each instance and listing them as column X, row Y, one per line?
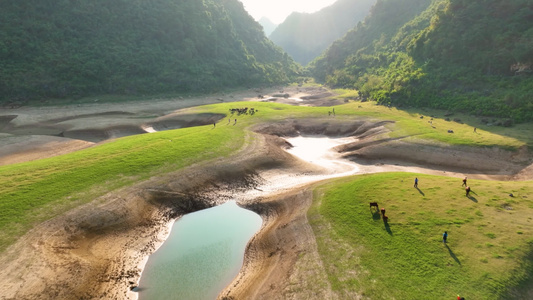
column 202, row 255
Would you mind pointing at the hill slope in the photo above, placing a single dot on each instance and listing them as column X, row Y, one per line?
column 76, row 48
column 305, row 36
column 470, row 56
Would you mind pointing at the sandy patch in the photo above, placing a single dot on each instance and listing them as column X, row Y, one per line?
column 16, row 149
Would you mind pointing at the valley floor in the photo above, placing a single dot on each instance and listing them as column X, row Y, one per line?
column 97, row 250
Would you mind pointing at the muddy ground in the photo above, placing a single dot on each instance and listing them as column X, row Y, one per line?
column 95, row 251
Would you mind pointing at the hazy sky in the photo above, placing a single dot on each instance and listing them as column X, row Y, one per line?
column 278, row 10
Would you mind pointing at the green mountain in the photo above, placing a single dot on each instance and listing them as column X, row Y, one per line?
column 268, row 26
column 305, row 36
column 66, row 48
column 473, row 56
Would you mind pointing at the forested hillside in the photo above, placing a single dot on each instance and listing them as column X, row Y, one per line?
column 65, row 48
column 305, row 36
column 473, row 56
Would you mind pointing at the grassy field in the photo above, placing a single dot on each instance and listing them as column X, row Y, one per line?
column 490, row 242
column 407, row 123
column 39, row 190
column 36, row 191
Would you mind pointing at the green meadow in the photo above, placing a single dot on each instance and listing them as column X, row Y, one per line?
column 36, row 191
column 490, row 242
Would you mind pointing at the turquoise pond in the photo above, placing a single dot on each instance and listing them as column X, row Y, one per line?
column 201, row 256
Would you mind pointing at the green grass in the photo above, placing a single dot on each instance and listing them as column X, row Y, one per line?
column 409, row 123
column 36, row 191
column 346, row 94
column 490, row 241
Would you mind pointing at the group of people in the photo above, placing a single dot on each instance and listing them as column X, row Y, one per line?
column 445, row 234
column 467, row 188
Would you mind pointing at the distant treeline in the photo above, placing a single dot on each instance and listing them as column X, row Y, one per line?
column 69, row 48
column 474, row 56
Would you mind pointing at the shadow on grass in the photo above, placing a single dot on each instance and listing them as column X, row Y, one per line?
column 421, row 193
column 376, row 215
column 452, row 254
column 521, row 283
column 387, row 227
column 472, row 198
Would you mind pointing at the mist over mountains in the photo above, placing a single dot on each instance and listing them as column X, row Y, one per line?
column 305, row 36
column 268, row 25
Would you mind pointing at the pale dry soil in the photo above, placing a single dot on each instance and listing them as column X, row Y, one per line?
column 97, row 251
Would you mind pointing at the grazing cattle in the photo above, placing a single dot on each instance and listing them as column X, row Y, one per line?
column 373, row 204
column 450, row 131
column 239, row 111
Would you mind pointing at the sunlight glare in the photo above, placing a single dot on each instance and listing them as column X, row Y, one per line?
column 278, row 10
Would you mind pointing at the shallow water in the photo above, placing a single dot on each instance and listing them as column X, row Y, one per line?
column 319, row 151
column 205, row 250
column 201, row 256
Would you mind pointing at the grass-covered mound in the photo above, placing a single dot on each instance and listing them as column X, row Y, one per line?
column 490, row 242
column 35, row 191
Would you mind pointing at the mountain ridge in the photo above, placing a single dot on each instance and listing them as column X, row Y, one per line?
column 456, row 55
column 52, row 49
column 305, row 35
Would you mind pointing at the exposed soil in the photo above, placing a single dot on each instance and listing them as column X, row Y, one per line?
column 95, row 251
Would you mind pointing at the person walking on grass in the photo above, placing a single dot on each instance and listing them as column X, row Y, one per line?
column 464, row 181
column 467, row 189
column 416, row 182
column 444, row 237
